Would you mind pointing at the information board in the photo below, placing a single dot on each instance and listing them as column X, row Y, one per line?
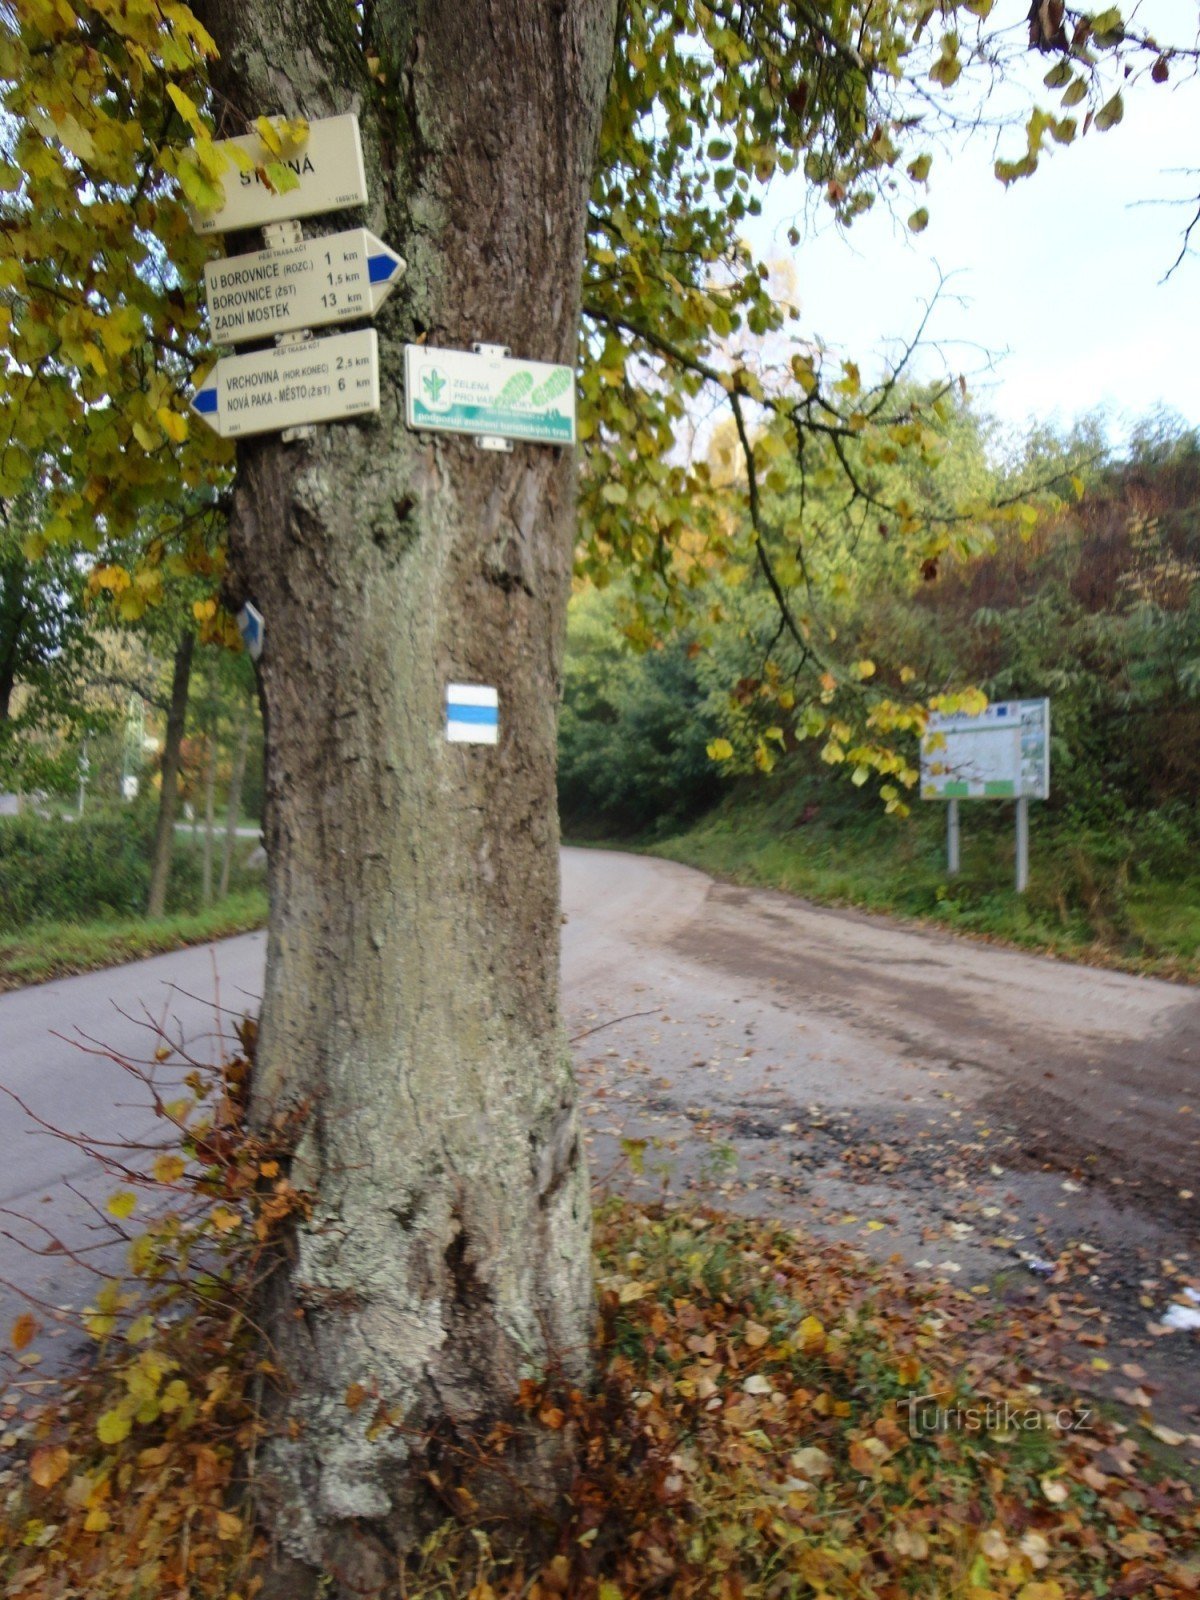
column 1002, row 753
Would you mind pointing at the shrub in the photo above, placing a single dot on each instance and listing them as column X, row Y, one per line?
column 57, row 870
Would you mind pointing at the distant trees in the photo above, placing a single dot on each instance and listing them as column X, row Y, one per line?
column 46, row 649
column 1096, row 604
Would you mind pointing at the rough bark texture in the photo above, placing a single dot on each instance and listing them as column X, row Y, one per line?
column 412, row 989
column 14, row 613
column 164, row 833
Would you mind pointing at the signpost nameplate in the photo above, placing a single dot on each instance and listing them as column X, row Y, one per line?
column 328, row 165
column 488, row 394
column 337, row 278
column 320, row 380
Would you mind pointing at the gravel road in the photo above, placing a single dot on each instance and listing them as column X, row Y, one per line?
column 1008, row 1122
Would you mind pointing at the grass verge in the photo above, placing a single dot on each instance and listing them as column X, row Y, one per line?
column 59, row 949
column 1102, row 898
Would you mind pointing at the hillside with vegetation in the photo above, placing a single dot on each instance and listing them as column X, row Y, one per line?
column 1095, row 604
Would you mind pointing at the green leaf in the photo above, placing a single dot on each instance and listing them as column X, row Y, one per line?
column 279, row 176
column 113, row 1426
column 1110, row 113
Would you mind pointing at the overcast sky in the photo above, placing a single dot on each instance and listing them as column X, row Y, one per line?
column 1058, row 278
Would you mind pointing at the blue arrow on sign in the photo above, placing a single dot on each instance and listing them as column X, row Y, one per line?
column 384, row 267
column 205, row 400
column 252, row 629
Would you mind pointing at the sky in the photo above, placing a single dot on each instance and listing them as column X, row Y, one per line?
column 1055, row 283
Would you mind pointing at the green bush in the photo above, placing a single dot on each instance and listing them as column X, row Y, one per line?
column 56, row 870
column 632, row 754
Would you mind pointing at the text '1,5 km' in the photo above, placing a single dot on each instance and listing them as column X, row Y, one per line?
column 340, row 277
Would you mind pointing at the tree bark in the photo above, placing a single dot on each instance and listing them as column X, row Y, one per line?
column 234, row 805
column 411, row 1002
column 210, row 787
column 14, row 614
column 164, row 833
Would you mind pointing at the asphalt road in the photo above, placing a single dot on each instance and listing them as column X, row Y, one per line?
column 970, row 1107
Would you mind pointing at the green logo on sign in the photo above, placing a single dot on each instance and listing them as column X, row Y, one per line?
column 557, row 383
column 435, row 385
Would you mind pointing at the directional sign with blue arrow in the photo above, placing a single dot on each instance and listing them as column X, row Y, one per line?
column 340, row 277
column 321, row 380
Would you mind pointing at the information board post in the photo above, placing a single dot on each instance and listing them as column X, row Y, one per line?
column 952, row 856
column 1022, row 844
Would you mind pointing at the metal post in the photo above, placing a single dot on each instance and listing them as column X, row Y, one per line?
column 1022, row 845
column 84, row 769
column 952, row 854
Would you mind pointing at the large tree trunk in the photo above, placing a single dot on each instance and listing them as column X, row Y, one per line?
column 164, row 834
column 411, row 1003
column 14, row 613
column 234, row 805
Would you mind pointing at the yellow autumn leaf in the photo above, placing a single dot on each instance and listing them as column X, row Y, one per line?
column 719, row 750
column 269, row 134
column 122, row 1203
column 186, row 109
column 634, row 1291
column 810, row 1336
column 169, row 1169
column 176, row 1395
column 23, row 1330
column 112, row 1427
column 173, row 423
column 228, row 1525
column 48, row 1465
column 96, row 1521
column 76, row 138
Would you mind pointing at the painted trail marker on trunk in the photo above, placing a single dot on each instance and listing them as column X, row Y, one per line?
column 488, row 394
column 321, row 380
column 337, row 278
column 472, row 714
column 328, row 165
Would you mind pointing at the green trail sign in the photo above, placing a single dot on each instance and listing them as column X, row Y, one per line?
column 489, row 395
